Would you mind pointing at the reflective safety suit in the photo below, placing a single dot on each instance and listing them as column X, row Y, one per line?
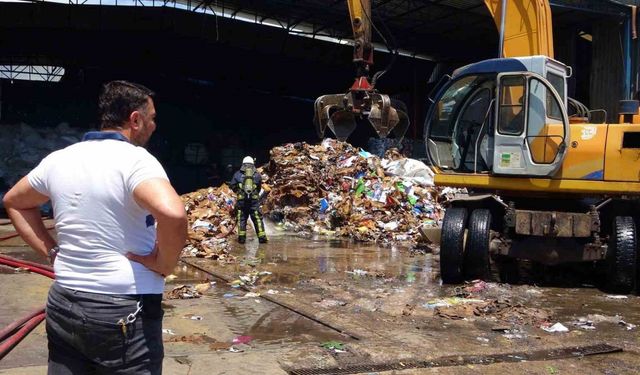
column 246, row 183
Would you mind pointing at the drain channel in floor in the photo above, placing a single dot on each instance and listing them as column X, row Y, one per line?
column 539, row 355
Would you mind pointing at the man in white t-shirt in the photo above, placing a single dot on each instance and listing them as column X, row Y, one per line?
column 103, row 311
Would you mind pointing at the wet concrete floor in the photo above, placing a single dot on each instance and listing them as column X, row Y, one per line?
column 378, row 296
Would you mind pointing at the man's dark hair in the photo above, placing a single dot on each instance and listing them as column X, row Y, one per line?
column 118, row 99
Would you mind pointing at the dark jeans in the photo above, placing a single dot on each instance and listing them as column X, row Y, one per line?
column 85, row 338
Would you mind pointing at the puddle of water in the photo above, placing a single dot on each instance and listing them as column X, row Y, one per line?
column 292, row 258
column 270, row 326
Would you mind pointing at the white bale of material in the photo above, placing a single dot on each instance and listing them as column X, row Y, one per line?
column 411, row 169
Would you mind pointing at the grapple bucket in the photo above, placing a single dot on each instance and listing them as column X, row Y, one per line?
column 331, row 112
column 339, row 112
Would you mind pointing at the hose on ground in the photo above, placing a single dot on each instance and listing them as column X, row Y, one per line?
column 15, row 332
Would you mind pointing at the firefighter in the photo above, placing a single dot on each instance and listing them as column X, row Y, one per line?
column 247, row 185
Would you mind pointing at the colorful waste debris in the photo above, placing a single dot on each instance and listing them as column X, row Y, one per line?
column 331, row 188
column 242, row 340
column 210, row 222
column 335, row 188
column 334, row 345
column 183, row 292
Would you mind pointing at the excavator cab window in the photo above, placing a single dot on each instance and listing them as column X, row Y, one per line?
column 458, row 123
column 512, row 105
column 557, row 81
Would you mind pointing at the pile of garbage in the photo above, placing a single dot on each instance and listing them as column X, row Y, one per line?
column 209, row 212
column 22, row 147
column 335, row 188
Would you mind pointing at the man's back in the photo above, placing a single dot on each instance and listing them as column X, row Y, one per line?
column 97, row 219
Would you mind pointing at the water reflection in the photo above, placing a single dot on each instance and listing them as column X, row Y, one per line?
column 290, row 257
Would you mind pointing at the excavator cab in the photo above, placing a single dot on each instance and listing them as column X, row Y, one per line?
column 342, row 112
column 501, row 117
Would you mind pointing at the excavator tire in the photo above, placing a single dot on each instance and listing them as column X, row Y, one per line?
column 452, row 245
column 622, row 255
column 476, row 256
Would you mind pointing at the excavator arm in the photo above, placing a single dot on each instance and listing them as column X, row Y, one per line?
column 340, row 112
column 524, row 25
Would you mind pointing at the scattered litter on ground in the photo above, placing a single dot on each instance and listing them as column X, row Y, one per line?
column 238, row 340
column 271, row 291
column 193, row 317
column 219, row 346
column 628, row 326
column 358, row 272
column 228, row 295
column 183, row 292
column 336, row 346
column 476, row 286
column 251, row 295
column 513, row 334
column 168, row 331
column 551, row 370
column 450, row 301
column 197, row 339
column 558, row 327
column 328, row 303
column 617, row 297
column 170, row 278
column 202, row 288
column 233, row 349
column 584, row 323
column 503, row 309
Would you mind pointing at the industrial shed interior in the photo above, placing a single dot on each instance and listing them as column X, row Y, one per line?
column 240, row 77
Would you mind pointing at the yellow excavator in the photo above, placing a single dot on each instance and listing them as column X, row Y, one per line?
column 342, row 112
column 542, row 185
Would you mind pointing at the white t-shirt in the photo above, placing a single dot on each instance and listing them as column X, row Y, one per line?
column 97, row 220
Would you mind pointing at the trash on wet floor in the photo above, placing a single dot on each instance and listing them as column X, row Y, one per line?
column 617, row 297
column 336, row 346
column 584, row 323
column 503, row 309
column 242, row 340
column 202, row 288
column 514, row 334
column 193, row 317
column 197, row 339
column 248, row 279
column 183, row 292
column 328, row 303
column 219, row 346
column 476, row 286
column 450, row 301
column 594, row 319
column 557, row 327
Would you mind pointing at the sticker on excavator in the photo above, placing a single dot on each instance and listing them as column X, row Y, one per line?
column 510, row 160
column 588, row 132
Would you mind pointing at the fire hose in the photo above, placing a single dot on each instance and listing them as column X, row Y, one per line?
column 15, row 332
